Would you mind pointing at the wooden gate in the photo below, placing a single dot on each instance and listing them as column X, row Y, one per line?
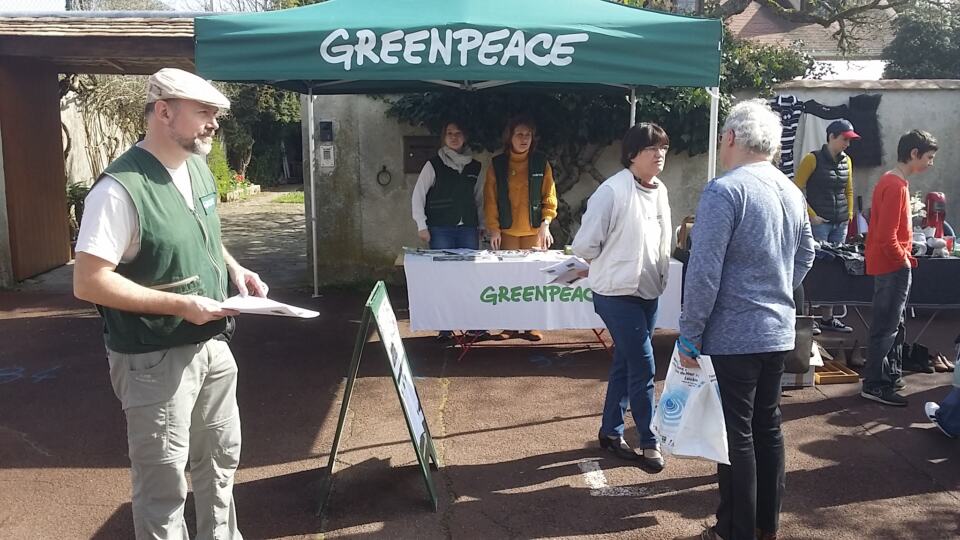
column 33, row 167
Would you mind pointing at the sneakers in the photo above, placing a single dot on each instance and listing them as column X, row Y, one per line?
column 899, row 384
column 931, row 408
column 816, row 329
column 887, row 396
column 835, row 325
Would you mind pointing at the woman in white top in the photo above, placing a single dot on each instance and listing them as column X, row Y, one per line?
column 448, row 199
column 625, row 235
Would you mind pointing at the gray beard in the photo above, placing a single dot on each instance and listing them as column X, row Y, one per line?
column 196, row 146
column 202, row 148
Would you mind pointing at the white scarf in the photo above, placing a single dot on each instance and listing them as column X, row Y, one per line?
column 453, row 159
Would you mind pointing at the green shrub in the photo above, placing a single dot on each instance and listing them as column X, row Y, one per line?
column 217, row 161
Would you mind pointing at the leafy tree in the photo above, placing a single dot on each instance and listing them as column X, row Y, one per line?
column 926, row 45
column 574, row 128
column 260, row 117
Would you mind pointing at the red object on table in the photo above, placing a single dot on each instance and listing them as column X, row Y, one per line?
column 936, row 212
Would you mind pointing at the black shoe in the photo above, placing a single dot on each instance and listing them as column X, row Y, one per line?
column 444, row 336
column 651, row 460
column 918, row 368
column 887, row 396
column 618, row 446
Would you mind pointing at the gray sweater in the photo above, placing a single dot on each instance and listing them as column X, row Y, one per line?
column 752, row 246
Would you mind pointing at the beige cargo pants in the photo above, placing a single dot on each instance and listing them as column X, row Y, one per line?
column 181, row 405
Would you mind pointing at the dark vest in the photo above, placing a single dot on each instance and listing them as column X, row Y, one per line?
column 451, row 200
column 827, row 186
column 180, row 253
column 536, row 168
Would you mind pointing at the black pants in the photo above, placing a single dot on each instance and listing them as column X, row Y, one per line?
column 751, row 487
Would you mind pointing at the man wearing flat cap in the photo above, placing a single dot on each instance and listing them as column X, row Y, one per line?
column 149, row 256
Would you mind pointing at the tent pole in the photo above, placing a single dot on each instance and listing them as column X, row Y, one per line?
column 313, row 185
column 712, row 141
column 633, row 106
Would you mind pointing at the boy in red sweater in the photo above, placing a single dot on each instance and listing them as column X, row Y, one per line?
column 889, row 241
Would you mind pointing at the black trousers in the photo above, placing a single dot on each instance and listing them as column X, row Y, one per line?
column 752, row 486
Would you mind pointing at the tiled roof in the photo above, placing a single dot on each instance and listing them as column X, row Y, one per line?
column 90, row 26
column 760, row 24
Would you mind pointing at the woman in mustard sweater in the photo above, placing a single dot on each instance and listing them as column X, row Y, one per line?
column 520, row 198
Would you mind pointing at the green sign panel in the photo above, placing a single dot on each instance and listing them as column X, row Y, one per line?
column 378, row 309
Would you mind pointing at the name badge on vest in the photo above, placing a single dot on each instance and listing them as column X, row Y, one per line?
column 209, row 202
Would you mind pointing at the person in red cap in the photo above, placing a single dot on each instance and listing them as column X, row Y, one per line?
column 826, row 176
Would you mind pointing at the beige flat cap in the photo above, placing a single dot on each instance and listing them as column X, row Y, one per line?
column 173, row 83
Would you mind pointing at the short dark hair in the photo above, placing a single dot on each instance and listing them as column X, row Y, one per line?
column 513, row 124
column 918, row 140
column 639, row 137
column 148, row 108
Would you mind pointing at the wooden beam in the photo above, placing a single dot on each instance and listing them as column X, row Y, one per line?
column 114, row 64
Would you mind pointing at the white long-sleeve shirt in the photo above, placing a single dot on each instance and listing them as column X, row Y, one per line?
column 418, row 201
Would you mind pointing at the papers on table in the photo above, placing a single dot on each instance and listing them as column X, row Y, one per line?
column 566, row 272
column 265, row 306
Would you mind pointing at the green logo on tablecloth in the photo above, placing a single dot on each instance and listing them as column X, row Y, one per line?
column 535, row 293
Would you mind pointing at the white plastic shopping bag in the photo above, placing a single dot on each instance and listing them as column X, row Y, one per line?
column 688, row 421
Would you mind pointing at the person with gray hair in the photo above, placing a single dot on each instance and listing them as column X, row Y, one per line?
column 752, row 246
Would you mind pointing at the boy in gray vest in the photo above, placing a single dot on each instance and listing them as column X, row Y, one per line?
column 149, row 256
column 827, row 177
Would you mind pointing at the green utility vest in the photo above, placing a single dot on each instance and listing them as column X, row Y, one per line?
column 827, row 186
column 451, row 201
column 536, row 168
column 180, row 253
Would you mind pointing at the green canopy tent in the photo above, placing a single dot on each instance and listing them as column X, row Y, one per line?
column 372, row 46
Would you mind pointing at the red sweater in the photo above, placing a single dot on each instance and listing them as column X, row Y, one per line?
column 890, row 235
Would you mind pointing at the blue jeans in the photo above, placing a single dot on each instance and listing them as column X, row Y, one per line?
column 461, row 236
column 630, row 320
column 835, row 233
column 889, row 301
column 949, row 414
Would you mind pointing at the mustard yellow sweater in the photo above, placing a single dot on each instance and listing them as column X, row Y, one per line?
column 519, row 197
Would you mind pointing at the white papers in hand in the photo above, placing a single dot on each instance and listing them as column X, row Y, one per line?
column 566, row 272
column 265, row 306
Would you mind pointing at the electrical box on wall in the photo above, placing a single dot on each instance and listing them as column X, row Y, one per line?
column 327, row 154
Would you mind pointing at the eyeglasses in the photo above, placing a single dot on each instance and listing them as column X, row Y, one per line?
column 664, row 149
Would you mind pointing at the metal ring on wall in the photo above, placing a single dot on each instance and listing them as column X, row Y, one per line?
column 384, row 177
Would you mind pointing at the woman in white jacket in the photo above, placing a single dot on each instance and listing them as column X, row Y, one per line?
column 625, row 236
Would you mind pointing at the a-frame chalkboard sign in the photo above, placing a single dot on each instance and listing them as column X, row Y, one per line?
column 378, row 309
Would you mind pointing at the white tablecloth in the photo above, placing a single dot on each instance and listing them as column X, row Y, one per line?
column 511, row 293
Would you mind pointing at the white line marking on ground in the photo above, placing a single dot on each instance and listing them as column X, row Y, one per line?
column 597, row 482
